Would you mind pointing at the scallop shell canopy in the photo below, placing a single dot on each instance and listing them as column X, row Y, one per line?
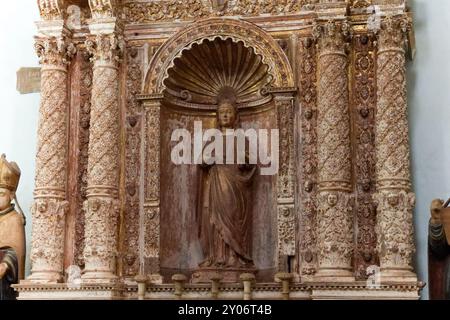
column 201, row 73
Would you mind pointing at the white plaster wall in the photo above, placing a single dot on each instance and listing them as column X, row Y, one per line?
column 429, row 113
column 429, row 101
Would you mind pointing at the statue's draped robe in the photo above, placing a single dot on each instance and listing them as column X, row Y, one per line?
column 12, row 238
column 439, row 262
column 225, row 215
column 8, row 256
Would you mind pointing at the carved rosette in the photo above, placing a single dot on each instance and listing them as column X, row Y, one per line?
column 50, row 204
column 395, row 202
column 334, row 154
column 285, row 182
column 308, row 159
column 101, row 208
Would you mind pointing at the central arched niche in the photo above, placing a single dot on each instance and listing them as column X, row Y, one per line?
column 192, row 87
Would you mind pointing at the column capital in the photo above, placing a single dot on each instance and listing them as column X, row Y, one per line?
column 106, row 48
column 393, row 32
column 332, row 35
column 54, row 51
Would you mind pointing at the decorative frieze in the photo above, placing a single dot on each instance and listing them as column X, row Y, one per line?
column 156, row 11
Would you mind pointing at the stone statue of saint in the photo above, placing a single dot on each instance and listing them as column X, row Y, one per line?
column 439, row 250
column 225, row 220
column 12, row 232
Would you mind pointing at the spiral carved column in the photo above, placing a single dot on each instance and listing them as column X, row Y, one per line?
column 102, row 204
column 335, row 202
column 395, row 243
column 50, row 204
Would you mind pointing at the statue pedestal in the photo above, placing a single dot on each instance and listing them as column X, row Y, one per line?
column 205, row 275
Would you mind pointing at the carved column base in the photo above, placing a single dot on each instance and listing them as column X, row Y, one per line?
column 101, row 240
column 47, row 253
column 43, row 278
column 335, row 236
column 395, row 243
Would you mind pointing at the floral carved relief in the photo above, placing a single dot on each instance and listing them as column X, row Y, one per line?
column 286, row 182
column 148, row 12
column 308, row 159
column 363, row 104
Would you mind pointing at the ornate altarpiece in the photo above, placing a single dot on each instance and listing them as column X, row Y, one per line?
column 119, row 76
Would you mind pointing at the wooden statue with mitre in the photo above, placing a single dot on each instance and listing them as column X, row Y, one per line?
column 439, row 250
column 12, row 231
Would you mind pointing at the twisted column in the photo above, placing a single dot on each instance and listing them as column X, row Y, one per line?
column 395, row 243
column 335, row 203
column 102, row 204
column 50, row 206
